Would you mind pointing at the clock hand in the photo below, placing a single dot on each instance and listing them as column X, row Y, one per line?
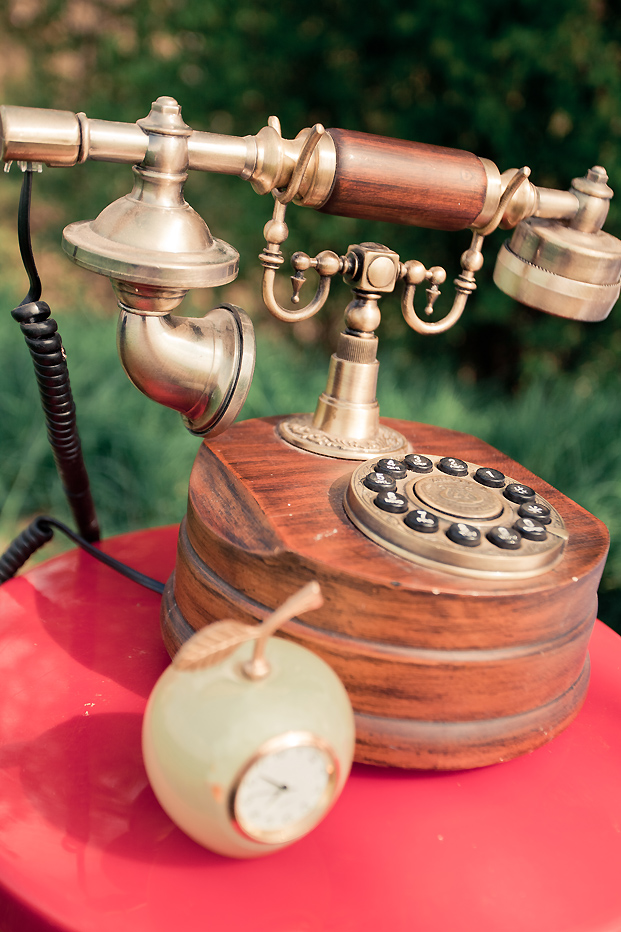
column 279, row 786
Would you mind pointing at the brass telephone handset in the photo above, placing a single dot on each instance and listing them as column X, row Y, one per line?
column 155, row 248
column 461, row 638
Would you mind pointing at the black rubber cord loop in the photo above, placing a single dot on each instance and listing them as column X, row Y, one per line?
column 39, row 532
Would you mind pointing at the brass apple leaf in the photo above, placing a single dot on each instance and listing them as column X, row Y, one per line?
column 213, row 643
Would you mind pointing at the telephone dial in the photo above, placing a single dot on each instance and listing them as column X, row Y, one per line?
column 459, row 589
column 444, row 512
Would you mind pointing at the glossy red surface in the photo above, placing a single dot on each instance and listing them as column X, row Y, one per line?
column 534, row 844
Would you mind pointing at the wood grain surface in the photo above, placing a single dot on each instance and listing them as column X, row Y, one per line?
column 443, row 670
column 379, row 178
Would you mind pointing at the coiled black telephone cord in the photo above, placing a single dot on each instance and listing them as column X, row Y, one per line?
column 40, row 531
column 41, row 334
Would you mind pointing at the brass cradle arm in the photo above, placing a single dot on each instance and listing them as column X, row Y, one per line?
column 415, row 272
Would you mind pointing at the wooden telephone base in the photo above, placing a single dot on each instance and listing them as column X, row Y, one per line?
column 443, row 671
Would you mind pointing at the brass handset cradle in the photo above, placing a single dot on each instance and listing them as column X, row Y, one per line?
column 327, row 263
column 346, row 421
column 471, row 262
column 276, row 232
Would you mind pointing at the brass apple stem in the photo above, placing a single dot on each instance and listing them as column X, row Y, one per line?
column 304, row 600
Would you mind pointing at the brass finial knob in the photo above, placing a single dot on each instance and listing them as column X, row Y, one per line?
column 165, row 118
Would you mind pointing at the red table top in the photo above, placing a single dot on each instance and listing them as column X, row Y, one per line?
column 533, row 844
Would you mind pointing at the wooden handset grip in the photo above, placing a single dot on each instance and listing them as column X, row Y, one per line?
column 413, row 183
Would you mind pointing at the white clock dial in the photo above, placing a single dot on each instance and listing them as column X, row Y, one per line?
column 286, row 789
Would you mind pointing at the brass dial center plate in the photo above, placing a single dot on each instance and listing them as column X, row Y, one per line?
column 458, row 497
column 455, row 523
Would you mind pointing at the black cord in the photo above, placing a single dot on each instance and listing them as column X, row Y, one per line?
column 25, row 242
column 40, row 531
column 48, row 355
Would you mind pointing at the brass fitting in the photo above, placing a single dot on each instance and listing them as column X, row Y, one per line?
column 200, row 367
column 155, row 248
column 567, row 267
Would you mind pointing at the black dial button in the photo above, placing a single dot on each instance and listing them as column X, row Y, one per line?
column 492, row 478
column 392, row 502
column 464, row 534
column 530, row 529
column 379, row 482
column 505, row 538
column 518, row 493
column 452, row 466
column 535, row 510
column 393, row 468
column 420, row 520
column 418, row 463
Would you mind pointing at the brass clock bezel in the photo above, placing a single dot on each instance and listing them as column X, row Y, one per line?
column 283, row 742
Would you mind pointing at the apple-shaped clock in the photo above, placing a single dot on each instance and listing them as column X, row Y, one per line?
column 247, row 739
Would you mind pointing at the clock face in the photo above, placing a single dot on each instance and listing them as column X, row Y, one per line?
column 285, row 789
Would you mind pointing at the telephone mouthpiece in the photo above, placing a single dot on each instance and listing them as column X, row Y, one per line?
column 155, row 248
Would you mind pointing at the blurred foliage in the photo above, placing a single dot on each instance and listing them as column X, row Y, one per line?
column 525, row 83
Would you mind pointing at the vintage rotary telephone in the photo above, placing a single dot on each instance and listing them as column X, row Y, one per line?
column 460, row 590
